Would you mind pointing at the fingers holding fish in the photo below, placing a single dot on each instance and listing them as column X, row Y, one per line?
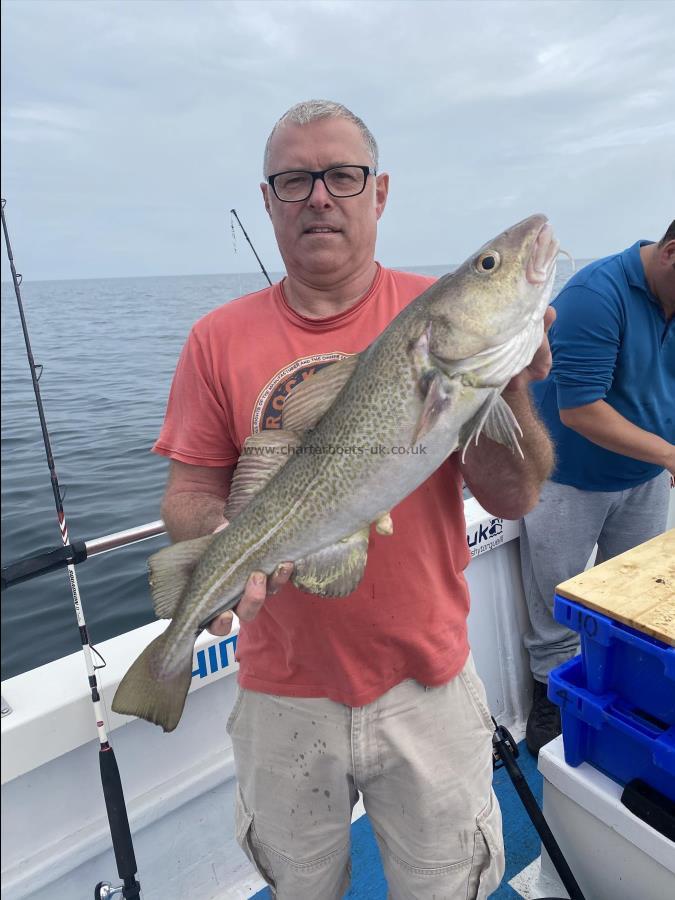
column 221, row 625
column 279, row 577
column 258, row 588
column 252, row 600
column 549, row 318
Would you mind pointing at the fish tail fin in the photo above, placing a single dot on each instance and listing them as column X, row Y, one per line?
column 152, row 696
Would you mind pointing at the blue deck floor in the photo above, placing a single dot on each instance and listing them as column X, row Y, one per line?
column 521, row 841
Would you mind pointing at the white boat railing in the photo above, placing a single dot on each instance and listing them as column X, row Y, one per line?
column 122, row 538
column 77, row 551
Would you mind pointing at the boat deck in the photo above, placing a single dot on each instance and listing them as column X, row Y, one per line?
column 521, row 842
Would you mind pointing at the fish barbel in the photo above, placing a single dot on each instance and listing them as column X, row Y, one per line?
column 310, row 491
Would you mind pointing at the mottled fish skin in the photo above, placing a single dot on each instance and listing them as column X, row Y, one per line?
column 318, row 497
column 471, row 331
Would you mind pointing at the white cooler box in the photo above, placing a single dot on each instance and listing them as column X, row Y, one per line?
column 612, row 854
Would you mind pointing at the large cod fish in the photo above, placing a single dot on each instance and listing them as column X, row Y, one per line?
column 434, row 377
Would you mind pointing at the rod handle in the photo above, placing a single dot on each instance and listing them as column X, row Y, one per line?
column 40, row 563
column 117, row 814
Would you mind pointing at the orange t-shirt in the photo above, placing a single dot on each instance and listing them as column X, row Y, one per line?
column 407, row 617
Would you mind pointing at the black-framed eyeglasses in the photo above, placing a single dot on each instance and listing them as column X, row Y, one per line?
column 340, row 181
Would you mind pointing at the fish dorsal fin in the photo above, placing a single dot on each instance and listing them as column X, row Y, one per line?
column 262, row 456
column 336, row 570
column 309, row 400
column 170, row 571
column 497, row 420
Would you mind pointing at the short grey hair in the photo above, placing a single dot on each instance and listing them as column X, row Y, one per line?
column 311, row 110
column 669, row 235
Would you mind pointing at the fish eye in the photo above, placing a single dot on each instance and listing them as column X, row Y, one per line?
column 488, row 261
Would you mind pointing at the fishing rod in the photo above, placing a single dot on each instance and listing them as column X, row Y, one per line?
column 504, row 753
column 233, row 212
column 110, row 776
column 75, row 552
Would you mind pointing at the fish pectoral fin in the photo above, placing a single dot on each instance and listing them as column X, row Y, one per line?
column 439, row 393
column 502, row 426
column 497, row 421
column 156, row 699
column 170, row 571
column 263, row 455
column 336, row 570
column 309, row 400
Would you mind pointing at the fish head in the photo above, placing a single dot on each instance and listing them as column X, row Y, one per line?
column 488, row 314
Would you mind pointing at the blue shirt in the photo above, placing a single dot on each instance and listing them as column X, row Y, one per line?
column 610, row 341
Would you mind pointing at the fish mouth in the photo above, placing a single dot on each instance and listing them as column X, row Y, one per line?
column 541, row 262
column 513, row 347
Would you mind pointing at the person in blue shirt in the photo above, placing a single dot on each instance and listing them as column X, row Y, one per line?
column 609, row 405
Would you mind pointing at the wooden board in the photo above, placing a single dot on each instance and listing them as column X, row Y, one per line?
column 636, row 587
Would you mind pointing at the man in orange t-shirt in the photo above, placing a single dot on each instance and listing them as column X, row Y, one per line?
column 374, row 693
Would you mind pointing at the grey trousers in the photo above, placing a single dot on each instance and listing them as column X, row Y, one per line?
column 421, row 757
column 556, row 541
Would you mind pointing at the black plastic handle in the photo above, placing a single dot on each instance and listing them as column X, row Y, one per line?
column 41, row 563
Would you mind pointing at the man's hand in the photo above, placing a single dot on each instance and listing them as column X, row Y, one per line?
column 255, row 593
column 540, row 366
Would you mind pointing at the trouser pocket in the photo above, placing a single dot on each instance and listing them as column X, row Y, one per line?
column 476, row 693
column 236, row 709
column 488, row 860
column 323, row 878
column 246, row 839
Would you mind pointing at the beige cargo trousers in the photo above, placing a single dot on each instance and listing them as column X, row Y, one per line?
column 421, row 758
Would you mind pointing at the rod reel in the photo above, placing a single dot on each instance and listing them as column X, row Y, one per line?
column 105, row 891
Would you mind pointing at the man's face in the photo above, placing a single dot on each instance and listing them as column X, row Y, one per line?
column 349, row 246
column 664, row 275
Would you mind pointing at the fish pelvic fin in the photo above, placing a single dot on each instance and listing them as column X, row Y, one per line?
column 261, row 458
column 307, row 403
column 497, row 421
column 147, row 695
column 336, row 570
column 170, row 571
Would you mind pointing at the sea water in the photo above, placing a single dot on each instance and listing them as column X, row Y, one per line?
column 108, row 349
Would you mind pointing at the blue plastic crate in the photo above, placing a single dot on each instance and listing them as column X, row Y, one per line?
column 605, row 731
column 616, row 657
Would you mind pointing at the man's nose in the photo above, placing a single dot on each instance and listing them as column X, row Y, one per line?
column 319, row 195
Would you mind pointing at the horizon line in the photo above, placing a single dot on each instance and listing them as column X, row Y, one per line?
column 281, row 274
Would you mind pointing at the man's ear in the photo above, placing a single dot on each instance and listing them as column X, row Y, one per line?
column 265, row 188
column 667, row 254
column 381, row 193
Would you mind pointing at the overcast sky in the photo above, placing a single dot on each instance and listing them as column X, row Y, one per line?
column 130, row 128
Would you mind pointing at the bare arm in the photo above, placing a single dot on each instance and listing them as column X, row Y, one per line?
column 193, row 506
column 194, row 499
column 603, row 425
column 503, row 482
